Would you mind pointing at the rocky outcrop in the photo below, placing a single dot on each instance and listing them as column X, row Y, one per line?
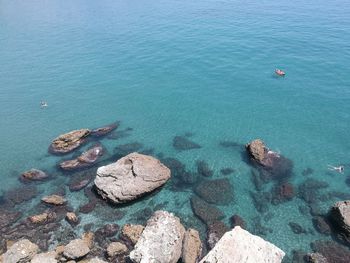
column 192, row 247
column 238, row 246
column 42, row 218
column 130, row 177
column 132, row 233
column 33, row 175
column 54, row 200
column 20, row 252
column 68, row 142
column 161, row 240
column 340, row 215
column 72, row 218
column 76, row 249
column 102, row 131
column 85, row 160
column 261, row 154
column 316, row 258
column 48, row 257
column 116, row 248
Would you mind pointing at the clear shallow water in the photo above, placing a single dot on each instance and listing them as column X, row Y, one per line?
column 165, row 68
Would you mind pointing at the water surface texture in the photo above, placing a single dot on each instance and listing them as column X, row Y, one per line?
column 204, row 69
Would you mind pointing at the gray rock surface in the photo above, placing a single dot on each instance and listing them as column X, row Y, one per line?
column 161, row 240
column 76, row 249
column 68, row 142
column 48, row 257
column 240, row 246
column 192, row 247
column 96, row 260
column 130, row 177
column 340, row 214
column 20, row 252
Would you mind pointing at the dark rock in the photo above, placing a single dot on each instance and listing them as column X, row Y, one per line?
column 8, row 218
column 107, row 231
column 219, row 191
column 33, row 175
column 261, row 201
column 180, row 176
column 22, row 194
column 77, row 186
column 236, row 220
column 340, row 218
column 321, row 224
column 333, row 252
column 87, row 208
column 309, row 190
column 282, row 193
column 204, row 211
column 128, row 148
column 99, row 132
column 203, row 169
column 68, row 142
column 215, row 231
column 316, row 258
column 181, row 143
column 296, row 228
column 227, row 171
column 307, row 171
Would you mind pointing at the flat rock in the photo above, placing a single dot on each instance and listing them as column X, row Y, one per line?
column 54, row 200
column 130, row 177
column 204, row 211
column 76, row 249
column 219, row 191
column 161, row 240
column 116, row 248
column 42, row 218
column 132, row 233
column 68, row 142
column 192, row 247
column 340, row 214
column 48, row 257
column 102, row 131
column 240, row 246
column 20, row 252
column 34, row 175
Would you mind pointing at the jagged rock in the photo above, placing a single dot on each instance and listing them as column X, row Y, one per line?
column 102, row 131
column 333, row 252
column 204, row 211
column 132, row 233
column 116, row 248
column 238, row 246
column 130, row 177
column 215, row 231
column 48, row 257
column 54, row 200
column 85, row 160
column 181, row 143
column 219, row 191
column 257, row 150
column 34, row 175
column 42, row 218
column 72, row 218
column 160, row 241
column 68, row 142
column 236, row 220
column 340, row 214
column 321, row 225
column 20, row 252
column 192, row 247
column 76, row 249
column 316, row 258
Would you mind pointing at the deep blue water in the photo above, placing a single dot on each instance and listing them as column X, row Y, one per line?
column 166, row 68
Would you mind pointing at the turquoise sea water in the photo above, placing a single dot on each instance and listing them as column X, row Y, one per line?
column 166, row 68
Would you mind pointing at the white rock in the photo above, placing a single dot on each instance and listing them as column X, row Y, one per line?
column 48, row 257
column 20, row 252
column 75, row 249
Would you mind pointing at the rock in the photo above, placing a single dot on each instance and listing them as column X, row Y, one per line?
column 203, row 169
column 88, row 238
column 215, row 231
column 130, row 177
column 42, row 218
column 296, row 228
column 132, row 233
column 204, row 211
column 316, row 258
column 257, row 150
column 181, row 143
column 87, row 208
column 20, row 252
column 333, row 252
column 108, row 230
column 116, row 248
column 85, row 160
column 219, row 191
column 34, row 175
column 321, row 225
column 102, row 131
column 238, row 246
column 77, row 186
column 340, row 215
column 309, row 190
column 282, row 193
column 8, row 217
column 96, row 260
column 76, row 249
column 72, row 218
column 22, row 194
column 236, row 220
column 48, row 257
column 227, row 171
column 68, row 142
column 192, row 247
column 160, row 241
column 54, row 200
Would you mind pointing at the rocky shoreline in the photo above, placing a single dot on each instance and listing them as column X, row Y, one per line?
column 163, row 237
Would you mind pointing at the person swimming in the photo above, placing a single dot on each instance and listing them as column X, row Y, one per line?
column 280, row 72
column 339, row 169
column 43, row 104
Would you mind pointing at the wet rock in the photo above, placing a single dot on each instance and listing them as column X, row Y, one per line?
column 215, row 231
column 257, row 150
column 88, row 238
column 180, row 176
column 321, row 225
column 107, row 231
column 204, row 211
column 307, row 171
column 261, row 201
column 48, row 257
column 68, row 142
column 103, row 131
column 192, row 247
column 77, row 186
column 128, row 148
column 8, row 217
column 87, row 159
column 76, row 249
column 203, row 169
column 309, row 190
column 33, row 175
column 333, row 252
column 87, row 208
column 161, row 240
column 316, row 258
column 22, row 194
column 42, row 218
column 21, row 251
column 130, row 177
column 96, row 260
column 236, row 220
column 296, row 228
column 340, row 216
column 227, row 171
column 54, row 200
column 282, row 193
column 239, row 244
column 181, row 143
column 116, row 248
column 72, row 218
column 219, row 191
column 132, row 233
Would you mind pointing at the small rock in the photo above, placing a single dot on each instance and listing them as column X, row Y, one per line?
column 132, row 233
column 72, row 218
column 236, row 220
column 116, row 248
column 42, row 218
column 21, row 251
column 316, row 258
column 68, row 142
column 54, row 200
column 34, row 175
column 204, row 211
column 99, row 132
column 76, row 249
column 203, row 169
column 192, row 247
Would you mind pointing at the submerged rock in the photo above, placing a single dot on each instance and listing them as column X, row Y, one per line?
column 181, row 143
column 116, row 248
column 42, row 218
column 102, row 131
column 77, row 186
column 192, row 247
column 34, row 175
column 204, row 211
column 8, row 217
column 282, row 193
column 68, row 142
column 22, row 194
column 54, row 200
column 21, row 251
column 161, row 240
column 296, row 228
column 236, row 220
column 132, row 233
column 128, row 148
column 219, row 191
column 238, row 246
column 130, row 177
column 215, row 231
column 76, row 249
column 204, row 169
column 321, row 225
column 333, row 252
column 85, row 160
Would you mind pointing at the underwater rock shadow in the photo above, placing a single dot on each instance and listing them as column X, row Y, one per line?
column 182, row 143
